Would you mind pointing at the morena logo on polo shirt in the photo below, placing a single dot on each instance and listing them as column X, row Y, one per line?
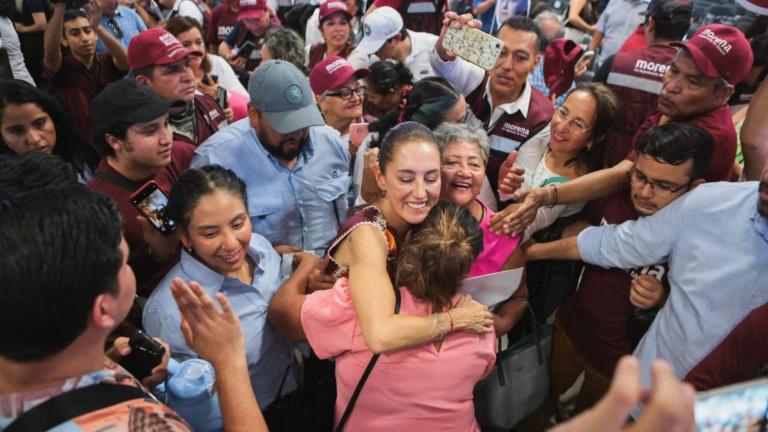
column 721, row 44
column 333, row 67
column 293, row 94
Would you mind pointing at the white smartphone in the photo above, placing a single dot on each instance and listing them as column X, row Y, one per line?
column 738, row 407
column 473, row 45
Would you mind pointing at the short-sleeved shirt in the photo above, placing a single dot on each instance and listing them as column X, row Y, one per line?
column 496, row 248
column 417, row 388
column 719, row 124
column 301, row 206
column 223, row 20
column 148, row 271
column 117, row 417
column 617, row 22
column 268, row 353
column 129, row 23
column 75, row 86
column 238, row 36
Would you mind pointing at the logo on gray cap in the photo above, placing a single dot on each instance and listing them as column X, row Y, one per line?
column 293, row 94
column 366, row 29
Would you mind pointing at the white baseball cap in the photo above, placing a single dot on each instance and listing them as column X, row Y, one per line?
column 378, row 26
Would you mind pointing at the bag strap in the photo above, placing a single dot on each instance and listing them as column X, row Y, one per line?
column 117, row 180
column 364, row 377
column 73, row 404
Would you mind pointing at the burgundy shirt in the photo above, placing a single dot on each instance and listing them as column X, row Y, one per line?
column 223, row 20
column 741, row 356
column 75, row 86
column 595, row 316
column 148, row 271
column 719, row 124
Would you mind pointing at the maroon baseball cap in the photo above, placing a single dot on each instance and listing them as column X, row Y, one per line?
column 331, row 7
column 560, row 59
column 720, row 51
column 332, row 73
column 252, row 9
column 156, row 47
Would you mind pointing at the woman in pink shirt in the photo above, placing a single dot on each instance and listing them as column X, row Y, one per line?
column 464, row 152
column 428, row 387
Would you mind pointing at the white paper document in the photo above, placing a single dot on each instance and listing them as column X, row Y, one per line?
column 494, row 288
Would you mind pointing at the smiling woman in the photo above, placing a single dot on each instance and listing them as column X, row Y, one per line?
column 223, row 254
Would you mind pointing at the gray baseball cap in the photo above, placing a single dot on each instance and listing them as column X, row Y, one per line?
column 279, row 90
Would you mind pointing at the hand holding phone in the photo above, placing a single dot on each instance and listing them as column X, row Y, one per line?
column 473, row 46
column 151, row 203
column 358, row 132
column 146, row 354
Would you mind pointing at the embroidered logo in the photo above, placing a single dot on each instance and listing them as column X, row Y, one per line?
column 721, row 44
column 366, row 30
column 168, row 39
column 293, row 94
column 331, row 68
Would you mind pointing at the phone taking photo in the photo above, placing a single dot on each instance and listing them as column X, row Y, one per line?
column 151, row 202
column 358, row 132
column 738, row 407
column 473, row 45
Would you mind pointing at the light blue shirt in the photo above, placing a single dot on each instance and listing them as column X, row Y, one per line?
column 716, row 245
column 617, row 22
column 302, row 206
column 269, row 354
column 130, row 24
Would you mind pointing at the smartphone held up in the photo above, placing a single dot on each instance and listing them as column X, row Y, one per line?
column 473, row 45
column 151, row 202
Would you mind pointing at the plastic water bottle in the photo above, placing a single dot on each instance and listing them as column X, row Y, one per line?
column 190, row 391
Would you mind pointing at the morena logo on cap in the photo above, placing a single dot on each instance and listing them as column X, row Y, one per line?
column 249, row 2
column 168, row 39
column 331, row 68
column 293, row 94
column 721, row 44
column 336, row 5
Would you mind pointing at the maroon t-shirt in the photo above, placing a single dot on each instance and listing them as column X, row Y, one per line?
column 719, row 124
column 595, row 316
column 741, row 356
column 75, row 86
column 223, row 20
column 148, row 271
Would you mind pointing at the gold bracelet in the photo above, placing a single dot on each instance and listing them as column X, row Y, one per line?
column 551, row 195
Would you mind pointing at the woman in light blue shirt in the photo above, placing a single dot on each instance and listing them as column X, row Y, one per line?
column 223, row 254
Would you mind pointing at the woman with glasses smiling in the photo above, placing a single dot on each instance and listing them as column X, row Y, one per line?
column 576, row 146
column 339, row 93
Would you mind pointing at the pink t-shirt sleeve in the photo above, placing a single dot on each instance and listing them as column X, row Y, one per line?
column 328, row 319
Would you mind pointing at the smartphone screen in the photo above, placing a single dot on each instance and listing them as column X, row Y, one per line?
column 740, row 407
column 151, row 202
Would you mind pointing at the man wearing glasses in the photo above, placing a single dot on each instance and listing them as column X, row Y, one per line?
column 296, row 168
column 695, row 90
column 122, row 22
column 602, row 320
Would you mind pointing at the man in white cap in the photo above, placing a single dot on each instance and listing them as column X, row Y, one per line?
column 296, row 168
column 386, row 38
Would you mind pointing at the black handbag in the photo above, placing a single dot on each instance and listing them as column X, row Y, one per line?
column 519, row 382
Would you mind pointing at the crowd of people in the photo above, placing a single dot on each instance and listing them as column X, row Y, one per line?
column 297, row 194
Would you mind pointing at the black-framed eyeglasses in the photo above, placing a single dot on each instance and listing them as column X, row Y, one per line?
column 346, row 92
column 638, row 179
column 112, row 24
